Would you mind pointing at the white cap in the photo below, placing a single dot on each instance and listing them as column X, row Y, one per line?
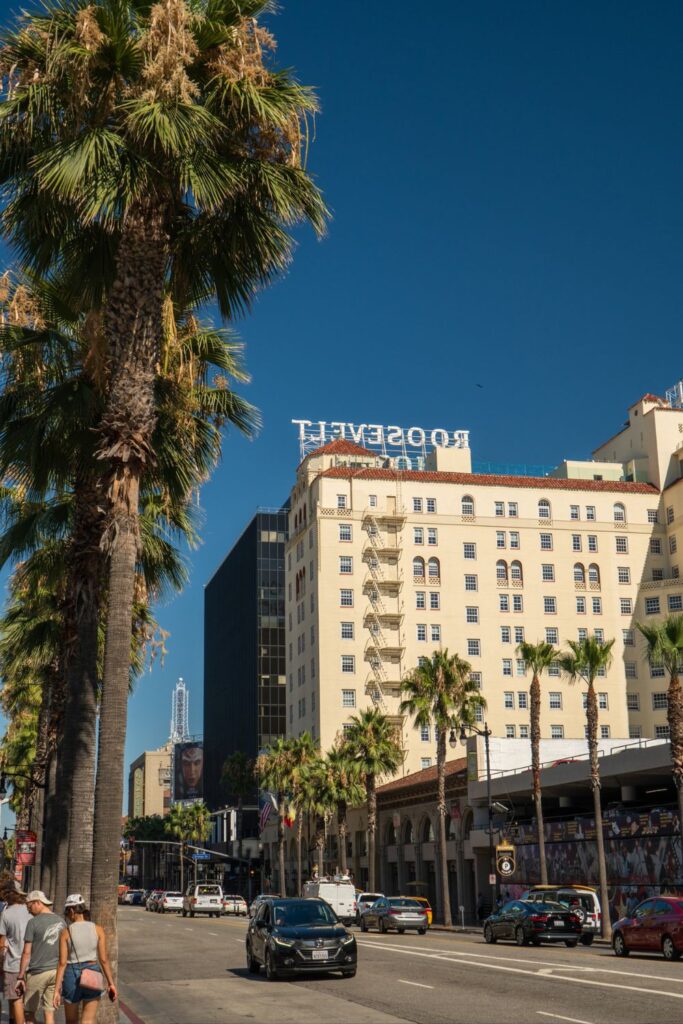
column 38, row 896
column 74, row 900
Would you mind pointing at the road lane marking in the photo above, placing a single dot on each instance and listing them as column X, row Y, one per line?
column 558, row 1016
column 415, row 983
column 214, row 933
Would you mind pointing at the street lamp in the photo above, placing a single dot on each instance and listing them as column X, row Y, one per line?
column 486, row 733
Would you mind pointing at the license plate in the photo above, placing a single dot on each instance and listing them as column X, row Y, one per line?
column 558, row 922
column 320, row 954
column 213, row 901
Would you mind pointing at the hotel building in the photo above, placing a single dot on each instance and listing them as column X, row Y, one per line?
column 385, row 564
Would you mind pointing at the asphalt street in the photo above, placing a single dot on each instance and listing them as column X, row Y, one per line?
column 192, row 971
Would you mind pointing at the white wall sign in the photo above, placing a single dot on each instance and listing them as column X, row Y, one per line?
column 390, row 441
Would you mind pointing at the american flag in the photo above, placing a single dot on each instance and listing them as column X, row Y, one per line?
column 266, row 810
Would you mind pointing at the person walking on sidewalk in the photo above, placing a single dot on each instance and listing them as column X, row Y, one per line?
column 39, row 959
column 13, row 921
column 82, row 945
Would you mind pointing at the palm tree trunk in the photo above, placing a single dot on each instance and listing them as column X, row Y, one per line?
column 342, row 833
column 675, row 719
column 592, row 722
column 281, row 842
column 372, row 829
column 299, row 839
column 48, row 858
column 535, row 714
column 181, row 849
column 441, row 809
column 320, row 844
column 240, row 813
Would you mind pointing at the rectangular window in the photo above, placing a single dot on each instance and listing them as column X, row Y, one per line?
column 626, row 605
column 473, row 648
column 582, row 634
column 576, row 542
column 424, row 733
column 661, row 732
column 434, row 600
column 478, row 714
column 348, row 663
column 674, row 572
column 500, row 538
column 347, row 631
column 554, row 669
column 552, row 635
column 499, row 507
column 655, row 546
column 629, row 637
column 581, row 606
column 471, row 614
column 345, row 532
column 652, row 606
column 514, row 539
column 505, row 635
column 670, row 514
column 657, row 671
column 512, row 509
column 631, row 669
column 418, row 535
column 574, row 512
column 596, row 605
column 436, row 634
column 635, row 732
column 652, row 515
column 469, row 550
column 603, row 703
column 291, row 714
column 590, row 512
column 657, row 574
column 345, row 564
column 373, row 501
column 346, row 598
column 348, row 698
column 633, row 701
column 621, row 545
column 548, row 573
column 471, row 583
column 519, row 634
column 599, row 635
column 522, row 700
column 555, row 701
column 517, row 603
column 524, row 732
column 432, row 536
column 504, row 602
column 508, row 700
column 675, row 602
column 417, row 504
column 604, row 732
column 659, row 702
column 341, row 501
column 507, row 666
column 672, row 543
column 420, row 599
column 425, row 762
column 550, row 605
column 431, row 505
column 520, row 666
column 475, row 677
column 557, row 732
column 546, row 542
column 421, row 632
column 510, row 732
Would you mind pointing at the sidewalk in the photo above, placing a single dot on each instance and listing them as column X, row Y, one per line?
column 128, row 1016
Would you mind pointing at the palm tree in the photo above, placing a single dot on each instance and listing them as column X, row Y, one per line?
column 239, row 781
column 304, row 751
column 440, row 693
column 318, row 798
column 586, row 660
column 375, row 747
column 537, row 657
column 665, row 649
column 274, row 770
column 346, row 790
column 191, row 823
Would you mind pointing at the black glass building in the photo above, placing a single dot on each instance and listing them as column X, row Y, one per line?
column 244, row 649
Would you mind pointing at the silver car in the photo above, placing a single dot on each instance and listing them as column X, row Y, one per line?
column 399, row 912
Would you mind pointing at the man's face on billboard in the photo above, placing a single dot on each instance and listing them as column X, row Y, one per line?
column 192, row 762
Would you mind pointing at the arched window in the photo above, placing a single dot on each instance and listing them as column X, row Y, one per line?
column 427, row 835
column 467, row 505
column 579, row 573
column 593, row 574
column 544, row 509
column 390, row 834
column 418, row 567
column 501, row 570
column 516, row 571
column 450, row 828
column 619, row 513
column 433, row 569
column 408, row 836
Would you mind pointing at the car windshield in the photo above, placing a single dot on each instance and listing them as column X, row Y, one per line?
column 412, row 904
column 582, row 899
column 303, row 912
column 176, row 895
column 208, row 890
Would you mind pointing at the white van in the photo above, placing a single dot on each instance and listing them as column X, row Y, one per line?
column 205, row 898
column 340, row 893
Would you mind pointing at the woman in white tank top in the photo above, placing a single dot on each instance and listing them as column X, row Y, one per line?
column 82, row 946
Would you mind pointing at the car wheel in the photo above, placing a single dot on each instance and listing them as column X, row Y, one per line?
column 587, row 940
column 253, row 966
column 421, row 931
column 382, row 925
column 271, row 973
column 192, row 913
column 401, row 931
column 571, row 943
column 184, row 912
column 619, row 946
column 520, row 937
column 668, row 949
column 535, row 942
column 349, row 974
column 363, row 924
column 489, row 936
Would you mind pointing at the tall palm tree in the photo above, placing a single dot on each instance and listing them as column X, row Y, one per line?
column 665, row 649
column 537, row 657
column 304, row 752
column 239, row 781
column 585, row 660
column 375, row 747
column 274, row 770
column 441, row 694
column 346, row 790
column 318, row 797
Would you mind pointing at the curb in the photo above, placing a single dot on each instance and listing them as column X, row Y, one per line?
column 457, row 930
column 128, row 1016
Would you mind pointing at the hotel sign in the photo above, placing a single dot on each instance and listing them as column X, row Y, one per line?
column 408, row 442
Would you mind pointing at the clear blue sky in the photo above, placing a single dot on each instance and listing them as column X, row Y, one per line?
column 506, row 184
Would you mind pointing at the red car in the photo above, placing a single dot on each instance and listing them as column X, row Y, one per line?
column 655, row 927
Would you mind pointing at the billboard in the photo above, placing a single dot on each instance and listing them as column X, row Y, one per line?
column 188, row 770
column 26, row 847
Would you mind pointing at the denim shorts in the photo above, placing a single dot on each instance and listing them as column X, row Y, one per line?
column 71, row 985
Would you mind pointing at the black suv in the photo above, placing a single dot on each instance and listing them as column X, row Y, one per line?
column 299, row 936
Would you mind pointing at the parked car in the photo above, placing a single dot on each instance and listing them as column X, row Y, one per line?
column 426, row 904
column 399, row 912
column 365, row 899
column 205, row 898
column 656, row 926
column 581, row 899
column 152, row 900
column 339, row 892
column 299, row 936
column 133, row 897
column 236, row 905
column 524, row 922
column 170, row 902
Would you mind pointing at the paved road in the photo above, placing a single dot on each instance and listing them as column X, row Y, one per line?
column 176, row 971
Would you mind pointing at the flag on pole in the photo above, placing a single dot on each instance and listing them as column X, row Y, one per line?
column 268, row 805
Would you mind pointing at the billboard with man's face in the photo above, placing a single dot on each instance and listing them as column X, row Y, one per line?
column 188, row 774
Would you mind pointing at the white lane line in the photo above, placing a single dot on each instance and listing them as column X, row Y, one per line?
column 535, row 974
column 558, row 1016
column 214, row 933
column 415, row 983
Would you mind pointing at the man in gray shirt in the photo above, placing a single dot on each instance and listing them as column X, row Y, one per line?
column 40, row 957
column 13, row 921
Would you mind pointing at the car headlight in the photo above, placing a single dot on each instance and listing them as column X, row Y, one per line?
column 287, row 943
column 348, row 940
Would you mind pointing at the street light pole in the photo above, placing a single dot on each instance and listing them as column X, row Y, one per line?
column 486, row 733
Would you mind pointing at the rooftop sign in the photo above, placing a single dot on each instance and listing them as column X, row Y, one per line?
column 406, row 443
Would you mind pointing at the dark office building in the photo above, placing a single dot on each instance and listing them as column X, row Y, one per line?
column 244, row 649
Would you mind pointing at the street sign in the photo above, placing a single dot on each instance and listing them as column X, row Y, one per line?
column 201, row 855
column 492, row 879
column 505, row 860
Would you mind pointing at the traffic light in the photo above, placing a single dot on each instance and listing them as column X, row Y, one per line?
column 505, row 860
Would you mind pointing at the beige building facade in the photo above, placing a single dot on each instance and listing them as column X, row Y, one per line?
column 386, row 564
column 149, row 783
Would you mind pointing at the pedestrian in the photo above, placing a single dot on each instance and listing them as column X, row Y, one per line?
column 39, row 959
column 82, row 946
column 13, row 921
column 481, row 908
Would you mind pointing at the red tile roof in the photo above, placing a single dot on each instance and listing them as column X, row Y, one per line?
column 342, row 447
column 543, row 483
column 651, row 398
column 426, row 775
